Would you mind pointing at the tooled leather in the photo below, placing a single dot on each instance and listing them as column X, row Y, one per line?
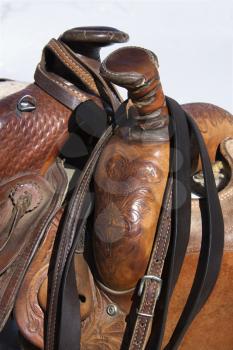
column 30, row 139
column 12, row 278
column 225, row 196
column 29, row 310
column 32, row 190
column 130, row 180
column 116, row 248
column 18, row 239
column 31, row 319
column 214, row 122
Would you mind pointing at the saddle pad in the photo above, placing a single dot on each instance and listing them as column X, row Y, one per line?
column 20, row 236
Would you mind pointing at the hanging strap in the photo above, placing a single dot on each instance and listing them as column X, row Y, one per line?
column 63, row 319
column 212, row 244
column 178, row 199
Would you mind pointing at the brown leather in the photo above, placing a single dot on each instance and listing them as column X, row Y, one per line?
column 195, row 337
column 62, row 54
column 18, row 251
column 57, row 86
column 34, row 127
column 206, row 332
column 33, row 288
column 210, row 118
column 127, row 208
column 31, row 151
column 130, row 181
column 105, row 89
column 136, row 69
column 89, row 40
column 126, row 199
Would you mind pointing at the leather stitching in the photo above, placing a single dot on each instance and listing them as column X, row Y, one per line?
column 73, row 65
column 148, row 301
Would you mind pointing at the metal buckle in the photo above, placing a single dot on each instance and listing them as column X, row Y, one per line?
column 140, row 290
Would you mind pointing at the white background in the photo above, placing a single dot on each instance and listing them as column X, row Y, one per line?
column 193, row 39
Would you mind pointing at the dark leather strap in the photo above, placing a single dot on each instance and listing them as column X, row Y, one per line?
column 56, row 87
column 75, row 218
column 211, row 246
column 181, row 217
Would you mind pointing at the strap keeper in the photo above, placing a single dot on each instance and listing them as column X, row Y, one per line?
column 152, row 278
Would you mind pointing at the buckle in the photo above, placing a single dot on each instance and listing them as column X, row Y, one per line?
column 140, row 290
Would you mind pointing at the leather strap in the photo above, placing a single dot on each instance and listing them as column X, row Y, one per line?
column 181, row 217
column 178, row 179
column 74, row 220
column 210, row 255
column 65, row 92
column 57, row 86
column 64, row 55
column 28, row 235
column 151, row 284
column 108, row 91
column 58, row 89
column 211, row 247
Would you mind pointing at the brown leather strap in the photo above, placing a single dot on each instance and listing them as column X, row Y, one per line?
column 96, row 88
column 58, row 89
column 57, row 86
column 61, row 52
column 109, row 92
column 151, row 283
column 67, row 236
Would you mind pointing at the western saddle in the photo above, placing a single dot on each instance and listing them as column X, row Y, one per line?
column 116, row 216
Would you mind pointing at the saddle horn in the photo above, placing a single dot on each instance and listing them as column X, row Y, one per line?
column 88, row 41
